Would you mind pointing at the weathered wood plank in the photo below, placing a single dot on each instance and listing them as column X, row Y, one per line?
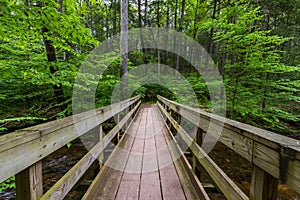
column 101, row 135
column 200, row 135
column 25, row 135
column 150, row 182
column 237, row 142
column 226, row 185
column 16, row 138
column 192, row 187
column 102, row 114
column 65, row 184
column 29, row 183
column 150, row 186
column 37, row 145
column 263, row 148
column 170, row 184
column 129, row 189
column 149, row 156
column 106, row 183
column 279, row 164
column 268, row 138
column 263, row 185
column 130, row 183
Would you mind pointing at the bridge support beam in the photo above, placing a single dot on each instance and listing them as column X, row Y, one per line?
column 263, row 185
column 118, row 135
column 101, row 156
column 195, row 164
column 29, row 183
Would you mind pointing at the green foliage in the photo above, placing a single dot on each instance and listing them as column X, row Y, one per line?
column 27, row 83
column 200, row 89
column 254, row 89
column 21, row 119
column 8, row 184
column 149, row 92
column 69, row 145
column 254, row 44
column 142, row 91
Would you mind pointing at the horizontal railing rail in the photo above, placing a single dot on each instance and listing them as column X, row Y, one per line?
column 274, row 157
column 21, row 152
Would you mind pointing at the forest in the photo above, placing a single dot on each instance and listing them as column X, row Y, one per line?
column 254, row 44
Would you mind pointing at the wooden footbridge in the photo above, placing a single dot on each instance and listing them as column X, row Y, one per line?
column 149, row 160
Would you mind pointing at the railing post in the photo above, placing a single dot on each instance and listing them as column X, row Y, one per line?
column 118, row 120
column 29, row 183
column 199, row 141
column 131, row 107
column 179, row 118
column 194, row 163
column 201, row 173
column 101, row 156
column 170, row 114
column 126, row 112
column 263, row 185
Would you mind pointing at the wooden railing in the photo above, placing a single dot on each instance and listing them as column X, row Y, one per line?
column 274, row 157
column 21, row 152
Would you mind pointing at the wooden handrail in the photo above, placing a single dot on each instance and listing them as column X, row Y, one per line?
column 226, row 185
column 65, row 184
column 184, row 169
column 22, row 150
column 273, row 155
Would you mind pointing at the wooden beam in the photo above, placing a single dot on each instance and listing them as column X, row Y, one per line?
column 101, row 156
column 276, row 154
column 106, row 172
column 189, row 180
column 118, row 120
column 29, row 183
column 60, row 189
column 224, row 183
column 270, row 139
column 199, row 141
column 46, row 138
column 263, row 185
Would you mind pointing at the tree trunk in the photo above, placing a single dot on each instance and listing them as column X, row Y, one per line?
column 124, row 46
column 158, row 40
column 195, row 20
column 106, row 22
column 166, row 39
column 91, row 18
column 139, row 14
column 212, row 29
column 175, row 26
column 114, row 17
column 140, row 26
column 51, row 57
column 180, row 38
column 175, row 15
column 145, row 13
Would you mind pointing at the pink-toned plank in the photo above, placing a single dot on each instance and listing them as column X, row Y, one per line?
column 150, row 180
column 150, row 156
column 170, row 183
column 131, row 179
column 150, row 186
column 149, row 171
column 114, row 167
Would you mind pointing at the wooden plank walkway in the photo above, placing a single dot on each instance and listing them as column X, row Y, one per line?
column 142, row 167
